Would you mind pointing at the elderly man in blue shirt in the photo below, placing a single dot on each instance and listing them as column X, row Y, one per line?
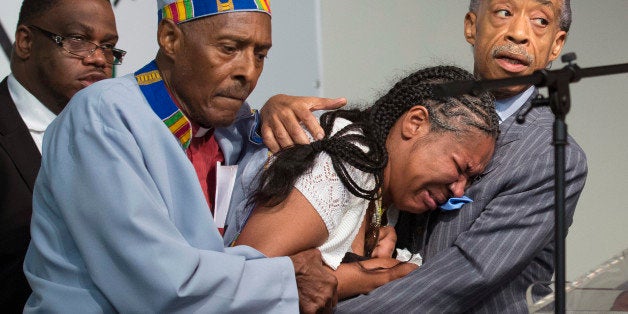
column 120, row 222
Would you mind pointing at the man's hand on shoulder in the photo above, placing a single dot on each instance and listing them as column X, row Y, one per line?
column 281, row 115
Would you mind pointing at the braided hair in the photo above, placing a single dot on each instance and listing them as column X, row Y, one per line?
column 369, row 128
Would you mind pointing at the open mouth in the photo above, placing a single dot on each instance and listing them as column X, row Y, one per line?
column 512, row 62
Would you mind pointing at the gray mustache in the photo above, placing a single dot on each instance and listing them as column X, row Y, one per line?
column 513, row 49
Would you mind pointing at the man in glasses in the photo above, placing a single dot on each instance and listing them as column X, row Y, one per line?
column 61, row 46
column 80, row 47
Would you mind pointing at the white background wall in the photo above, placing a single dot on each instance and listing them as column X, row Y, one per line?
column 358, row 48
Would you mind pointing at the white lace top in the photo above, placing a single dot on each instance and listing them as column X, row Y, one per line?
column 341, row 211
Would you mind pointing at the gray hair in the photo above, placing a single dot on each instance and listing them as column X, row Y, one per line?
column 565, row 12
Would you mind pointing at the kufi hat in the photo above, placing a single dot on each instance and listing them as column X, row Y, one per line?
column 185, row 10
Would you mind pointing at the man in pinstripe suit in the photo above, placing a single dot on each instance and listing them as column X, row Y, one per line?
column 483, row 257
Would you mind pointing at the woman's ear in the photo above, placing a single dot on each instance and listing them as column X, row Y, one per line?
column 415, row 122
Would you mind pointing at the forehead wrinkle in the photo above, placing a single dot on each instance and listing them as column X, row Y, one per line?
column 227, row 30
column 547, row 3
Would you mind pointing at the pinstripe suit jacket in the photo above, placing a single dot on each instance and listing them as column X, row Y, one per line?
column 482, row 258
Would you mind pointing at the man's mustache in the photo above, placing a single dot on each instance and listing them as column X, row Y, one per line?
column 237, row 92
column 513, row 49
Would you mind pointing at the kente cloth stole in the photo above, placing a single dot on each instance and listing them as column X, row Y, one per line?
column 157, row 95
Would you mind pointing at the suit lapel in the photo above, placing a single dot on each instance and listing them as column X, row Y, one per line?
column 16, row 140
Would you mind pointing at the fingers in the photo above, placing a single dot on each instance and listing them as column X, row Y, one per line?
column 282, row 116
column 401, row 270
column 383, row 250
column 293, row 131
column 362, row 277
column 379, row 263
column 274, row 134
column 311, row 121
column 386, row 242
column 317, row 286
column 388, row 269
column 280, row 125
column 388, row 232
column 269, row 139
column 328, row 103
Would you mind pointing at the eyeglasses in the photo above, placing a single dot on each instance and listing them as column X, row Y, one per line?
column 82, row 48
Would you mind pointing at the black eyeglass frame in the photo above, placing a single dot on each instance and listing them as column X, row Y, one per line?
column 118, row 54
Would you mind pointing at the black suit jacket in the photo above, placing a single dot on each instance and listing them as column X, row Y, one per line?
column 19, row 163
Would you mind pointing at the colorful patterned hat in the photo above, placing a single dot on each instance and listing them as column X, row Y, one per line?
column 186, row 10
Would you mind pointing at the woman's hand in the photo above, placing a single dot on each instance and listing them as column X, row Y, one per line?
column 386, row 242
column 362, row 277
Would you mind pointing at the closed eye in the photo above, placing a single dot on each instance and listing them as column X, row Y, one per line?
column 229, row 49
column 262, row 56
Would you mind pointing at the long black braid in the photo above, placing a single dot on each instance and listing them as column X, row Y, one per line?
column 369, row 128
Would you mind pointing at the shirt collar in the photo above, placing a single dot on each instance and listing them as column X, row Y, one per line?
column 36, row 116
column 507, row 107
column 199, row 131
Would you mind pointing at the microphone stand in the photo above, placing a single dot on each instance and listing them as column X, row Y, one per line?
column 557, row 82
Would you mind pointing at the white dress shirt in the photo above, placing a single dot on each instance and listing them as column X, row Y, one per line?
column 507, row 107
column 36, row 116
